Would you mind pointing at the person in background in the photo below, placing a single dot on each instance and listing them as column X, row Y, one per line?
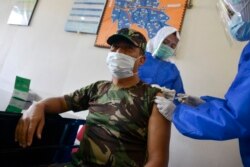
column 124, row 127
column 216, row 118
column 158, row 69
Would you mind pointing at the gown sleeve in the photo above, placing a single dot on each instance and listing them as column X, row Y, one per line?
column 220, row 119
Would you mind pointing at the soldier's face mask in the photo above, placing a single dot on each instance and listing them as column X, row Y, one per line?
column 120, row 65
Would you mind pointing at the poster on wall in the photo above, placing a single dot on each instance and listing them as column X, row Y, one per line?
column 21, row 12
column 85, row 16
column 146, row 16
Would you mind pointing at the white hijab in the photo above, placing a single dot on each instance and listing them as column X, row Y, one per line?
column 160, row 36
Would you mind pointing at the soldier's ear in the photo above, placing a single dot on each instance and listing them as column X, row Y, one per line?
column 142, row 60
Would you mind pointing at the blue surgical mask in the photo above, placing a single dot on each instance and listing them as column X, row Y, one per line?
column 163, row 52
column 239, row 29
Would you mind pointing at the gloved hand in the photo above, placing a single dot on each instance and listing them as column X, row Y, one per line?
column 189, row 100
column 165, row 107
column 168, row 93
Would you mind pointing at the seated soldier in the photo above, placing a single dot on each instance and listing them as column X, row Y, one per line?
column 124, row 127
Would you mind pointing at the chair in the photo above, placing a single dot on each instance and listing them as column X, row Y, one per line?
column 79, row 136
column 57, row 141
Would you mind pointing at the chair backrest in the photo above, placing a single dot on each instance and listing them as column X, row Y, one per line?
column 57, row 141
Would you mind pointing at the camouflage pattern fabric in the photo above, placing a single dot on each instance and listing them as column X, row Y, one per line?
column 135, row 37
column 117, row 124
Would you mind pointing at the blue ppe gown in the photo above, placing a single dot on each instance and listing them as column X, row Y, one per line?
column 222, row 119
column 155, row 71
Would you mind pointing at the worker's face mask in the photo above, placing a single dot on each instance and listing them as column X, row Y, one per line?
column 233, row 22
column 120, row 65
column 163, row 52
column 239, row 29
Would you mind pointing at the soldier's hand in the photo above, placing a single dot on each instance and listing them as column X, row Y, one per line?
column 31, row 122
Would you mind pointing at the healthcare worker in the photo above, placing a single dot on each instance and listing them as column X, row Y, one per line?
column 216, row 118
column 158, row 69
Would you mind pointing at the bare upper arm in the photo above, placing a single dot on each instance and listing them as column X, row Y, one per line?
column 159, row 129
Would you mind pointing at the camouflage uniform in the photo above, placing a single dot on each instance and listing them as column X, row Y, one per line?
column 117, row 124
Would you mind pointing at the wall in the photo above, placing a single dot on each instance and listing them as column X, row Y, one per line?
column 55, row 60
column 58, row 62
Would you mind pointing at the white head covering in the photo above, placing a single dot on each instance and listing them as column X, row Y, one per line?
column 160, row 36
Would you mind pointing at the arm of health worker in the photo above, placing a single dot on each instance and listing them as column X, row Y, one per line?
column 220, row 119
